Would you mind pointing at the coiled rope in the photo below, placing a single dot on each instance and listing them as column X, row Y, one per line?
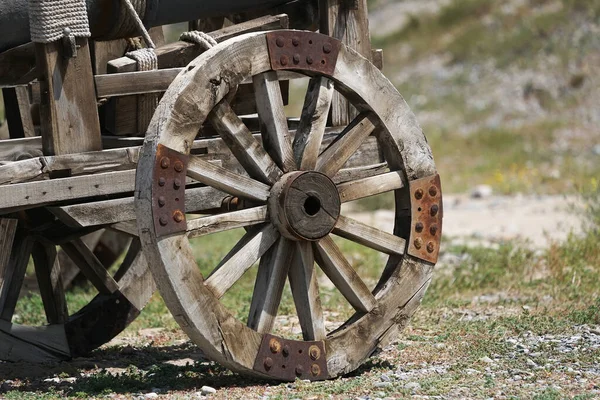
column 51, row 20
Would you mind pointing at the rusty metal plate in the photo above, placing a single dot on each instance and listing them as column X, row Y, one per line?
column 302, row 50
column 287, row 360
column 168, row 191
column 427, row 214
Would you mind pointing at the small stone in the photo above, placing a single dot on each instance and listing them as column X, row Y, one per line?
column 382, row 384
column 414, row 386
column 440, row 345
column 206, row 390
column 52, row 380
column 151, row 395
column 486, row 360
column 482, row 191
column 385, row 378
column 70, row 380
column 531, row 363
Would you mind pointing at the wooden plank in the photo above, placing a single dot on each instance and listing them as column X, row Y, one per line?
column 268, row 289
column 48, row 273
column 253, row 245
column 305, row 290
column 371, row 186
column 14, row 275
column 8, row 230
column 131, row 83
column 274, row 127
column 90, row 266
column 18, row 66
column 222, row 179
column 16, row 149
column 309, row 135
column 224, row 222
column 17, row 110
column 344, row 277
column 258, row 164
column 350, row 140
column 369, row 236
column 69, row 117
column 345, row 175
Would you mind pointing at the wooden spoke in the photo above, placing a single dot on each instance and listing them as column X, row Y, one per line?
column 91, row 267
column 8, row 230
column 242, row 144
column 343, row 276
column 305, row 290
column 48, row 273
column 336, row 155
column 134, row 249
column 272, row 273
column 250, row 248
column 371, row 186
column 366, row 235
column 13, row 276
column 227, row 181
column 315, row 111
column 274, row 127
column 224, row 222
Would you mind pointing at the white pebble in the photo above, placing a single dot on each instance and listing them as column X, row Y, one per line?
column 206, row 390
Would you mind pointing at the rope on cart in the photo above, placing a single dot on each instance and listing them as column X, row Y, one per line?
column 200, row 38
column 146, row 61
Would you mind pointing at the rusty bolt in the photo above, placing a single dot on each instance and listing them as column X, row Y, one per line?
column 419, row 194
column 295, row 41
column 178, row 216
column 299, row 369
column 178, row 166
column 162, row 181
column 296, row 58
column 165, row 162
column 268, row 363
column 286, row 350
column 434, row 210
column 314, row 352
column 280, row 42
column 430, row 247
column 315, row 369
column 418, row 243
column 162, row 201
column 283, row 60
column 177, row 183
column 327, row 48
column 163, row 221
column 309, row 60
column 275, row 346
column 419, row 227
column 433, row 191
column 433, row 230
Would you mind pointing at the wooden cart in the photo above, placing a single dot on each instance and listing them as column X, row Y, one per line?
column 219, row 153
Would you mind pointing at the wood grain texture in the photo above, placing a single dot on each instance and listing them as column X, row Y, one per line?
column 13, row 276
column 227, row 221
column 369, row 236
column 8, row 230
column 48, row 273
column 371, row 186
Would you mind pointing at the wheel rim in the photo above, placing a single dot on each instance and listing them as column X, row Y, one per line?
column 200, row 93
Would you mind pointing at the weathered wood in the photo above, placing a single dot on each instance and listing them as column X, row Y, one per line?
column 69, row 117
column 305, row 290
column 344, row 277
column 90, row 266
column 243, row 145
column 224, row 222
column 249, row 249
column 377, row 58
column 309, row 135
column 18, row 66
column 48, row 273
column 369, row 236
column 131, row 83
column 17, row 110
column 8, row 230
column 68, row 269
column 274, row 127
column 371, row 186
column 345, row 175
column 268, row 289
column 13, row 276
column 226, row 181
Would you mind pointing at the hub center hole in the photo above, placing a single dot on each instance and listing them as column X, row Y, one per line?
column 312, row 205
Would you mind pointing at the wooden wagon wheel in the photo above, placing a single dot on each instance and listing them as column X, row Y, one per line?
column 293, row 191
column 122, row 290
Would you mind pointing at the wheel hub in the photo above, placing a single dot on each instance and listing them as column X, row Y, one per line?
column 304, row 205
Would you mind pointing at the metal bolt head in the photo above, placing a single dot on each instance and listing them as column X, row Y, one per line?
column 178, row 166
column 67, row 31
column 296, row 58
column 268, row 363
column 430, row 247
column 178, row 216
column 295, row 41
column 434, row 210
column 275, row 346
column 309, row 60
column 314, row 352
column 433, row 191
column 418, row 243
column 299, row 369
column 279, row 42
column 419, row 227
column 419, row 194
column 283, row 61
column 286, row 350
column 162, row 201
column 162, row 181
column 165, row 163
column 315, row 370
column 327, row 48
column 177, row 183
column 163, row 221
column 433, row 230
